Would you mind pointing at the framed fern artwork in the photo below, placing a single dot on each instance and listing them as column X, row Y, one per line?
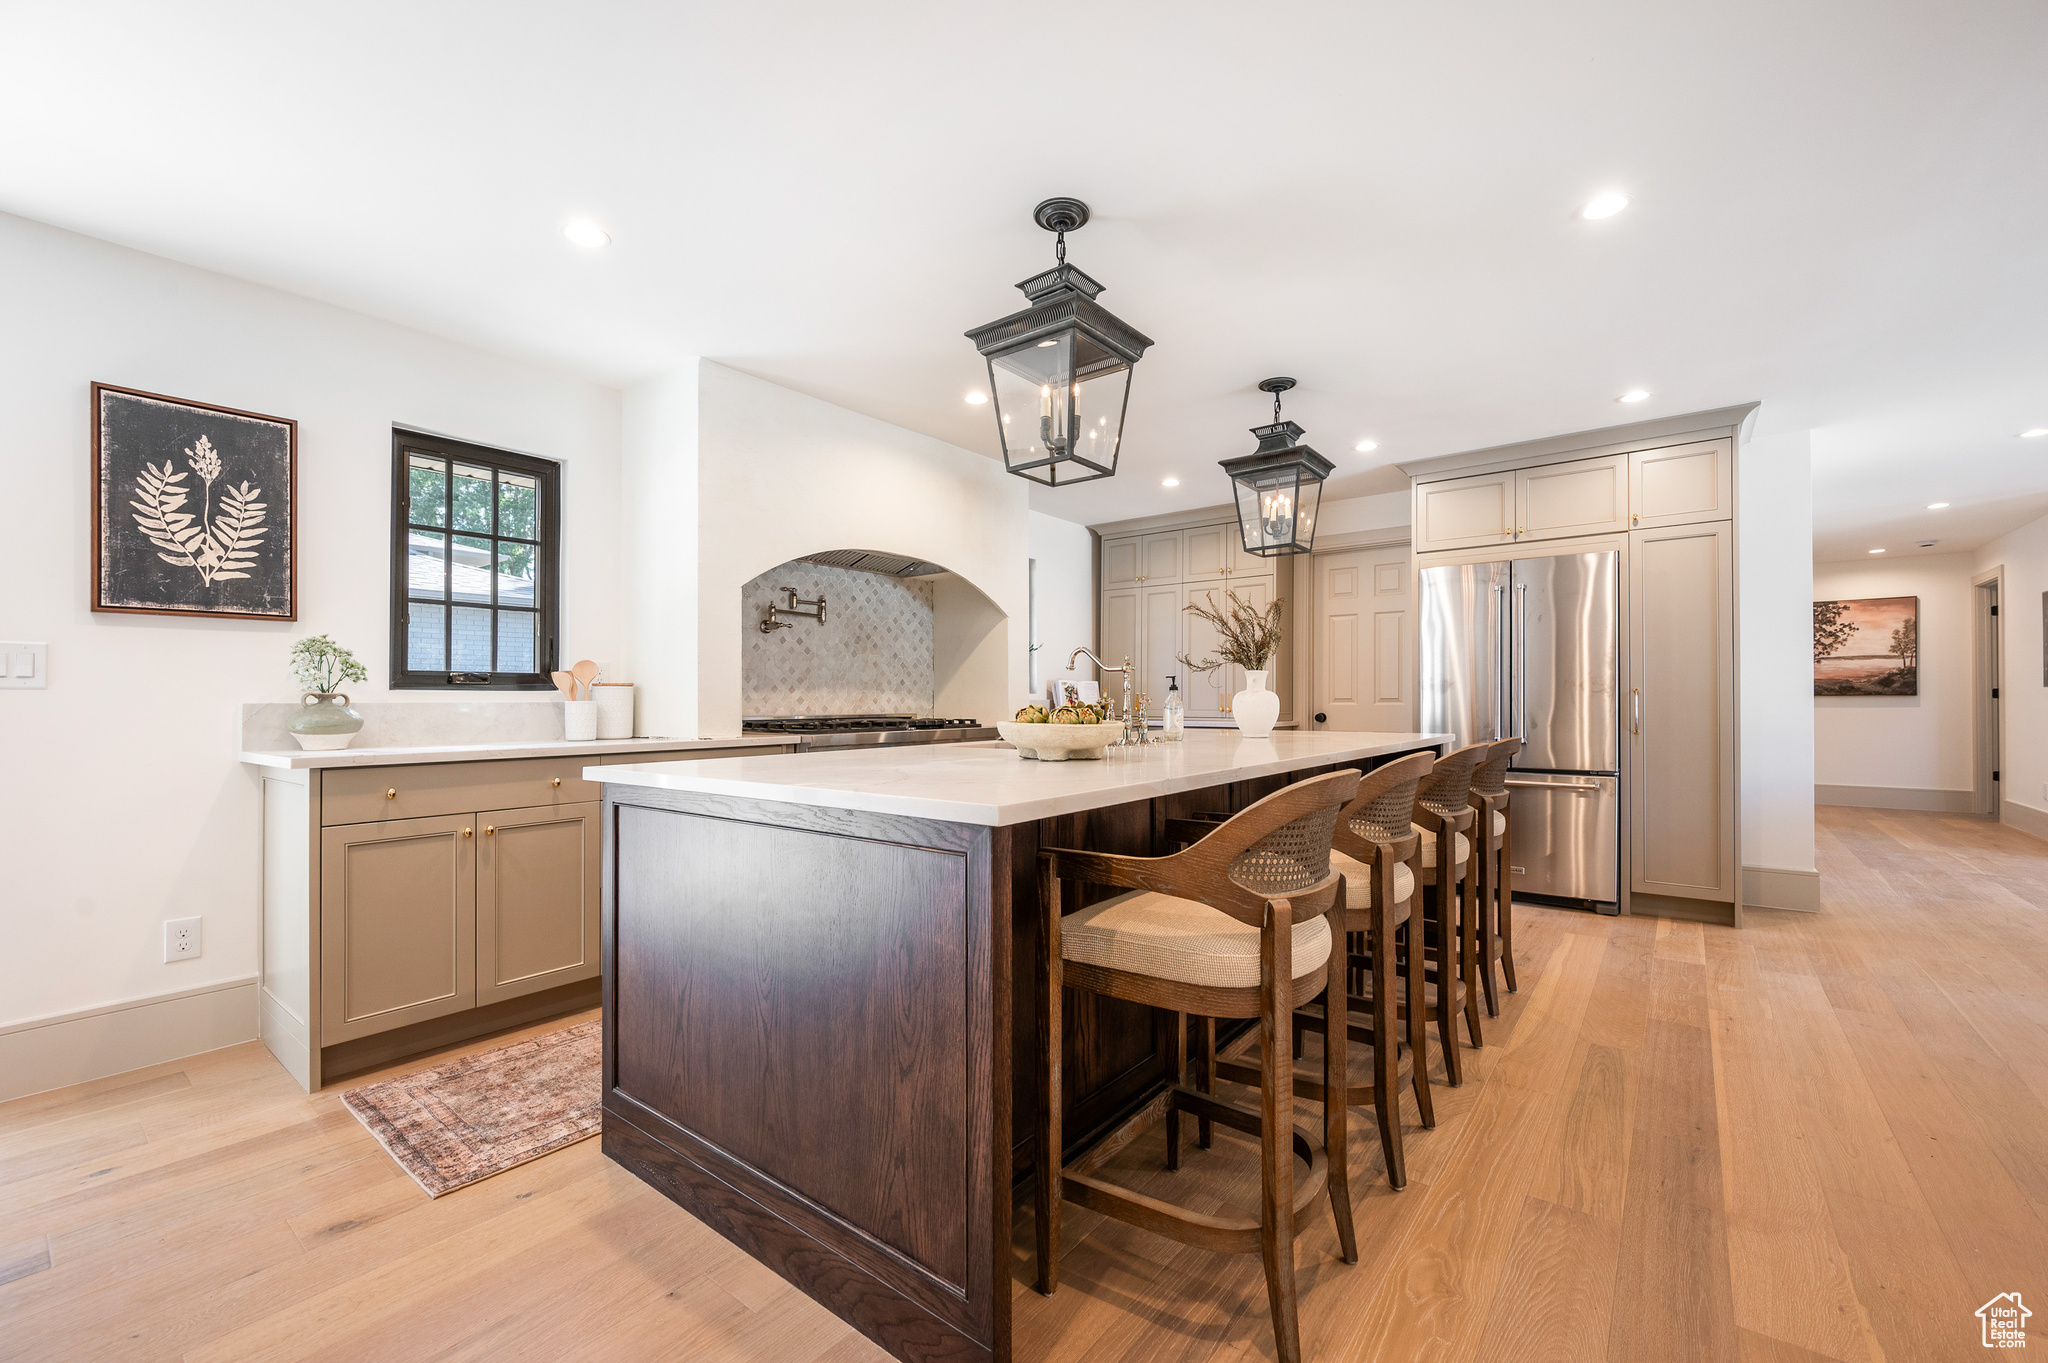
column 195, row 508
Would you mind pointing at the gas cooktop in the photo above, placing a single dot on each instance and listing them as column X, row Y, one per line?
column 835, row 731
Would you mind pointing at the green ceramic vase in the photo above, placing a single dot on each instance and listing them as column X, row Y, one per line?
column 324, row 721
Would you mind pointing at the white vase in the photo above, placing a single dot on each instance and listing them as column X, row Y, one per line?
column 1255, row 709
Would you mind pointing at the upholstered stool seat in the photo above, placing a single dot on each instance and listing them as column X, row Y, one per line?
column 1464, row 847
column 1167, row 938
column 1358, row 882
column 1500, row 824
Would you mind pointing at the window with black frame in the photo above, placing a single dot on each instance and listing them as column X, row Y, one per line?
column 473, row 573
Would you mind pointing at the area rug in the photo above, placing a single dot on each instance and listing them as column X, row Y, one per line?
column 484, row 1114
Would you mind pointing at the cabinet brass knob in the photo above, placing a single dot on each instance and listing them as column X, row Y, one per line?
column 489, row 829
column 391, row 793
column 558, row 780
column 468, row 832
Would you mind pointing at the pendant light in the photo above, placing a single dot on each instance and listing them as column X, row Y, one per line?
column 1279, row 486
column 1060, row 371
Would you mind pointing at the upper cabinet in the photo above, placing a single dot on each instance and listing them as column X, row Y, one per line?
column 1458, row 513
column 1676, row 485
column 1583, row 497
column 1134, row 559
column 1209, row 552
column 1682, row 484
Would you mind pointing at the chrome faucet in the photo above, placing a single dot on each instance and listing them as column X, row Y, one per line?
column 1101, row 666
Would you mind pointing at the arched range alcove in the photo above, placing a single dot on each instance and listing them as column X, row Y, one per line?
column 899, row 636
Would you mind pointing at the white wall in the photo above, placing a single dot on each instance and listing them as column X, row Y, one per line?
column 1382, row 511
column 123, row 803
column 658, row 467
column 1917, row 743
column 1774, row 572
column 2024, row 780
column 779, row 475
column 1064, row 553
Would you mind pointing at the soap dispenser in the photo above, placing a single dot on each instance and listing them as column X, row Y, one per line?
column 1176, row 713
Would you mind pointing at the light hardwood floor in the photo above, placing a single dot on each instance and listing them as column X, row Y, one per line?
column 1825, row 1137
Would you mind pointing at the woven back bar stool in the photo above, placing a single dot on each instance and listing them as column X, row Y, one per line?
column 1494, row 888
column 1443, row 817
column 1238, row 925
column 1375, row 848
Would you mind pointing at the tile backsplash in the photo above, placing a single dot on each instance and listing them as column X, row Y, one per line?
column 873, row 655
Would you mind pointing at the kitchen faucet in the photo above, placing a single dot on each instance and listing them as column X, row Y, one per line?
column 1101, row 666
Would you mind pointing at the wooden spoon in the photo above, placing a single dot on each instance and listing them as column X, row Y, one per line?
column 565, row 683
column 585, row 673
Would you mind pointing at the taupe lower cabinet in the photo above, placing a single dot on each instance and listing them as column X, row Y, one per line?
column 408, row 907
column 421, row 918
column 1681, row 712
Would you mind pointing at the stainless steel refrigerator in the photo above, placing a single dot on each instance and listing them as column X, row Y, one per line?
column 1529, row 647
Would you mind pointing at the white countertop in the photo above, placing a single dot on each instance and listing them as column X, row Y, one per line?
column 298, row 760
column 988, row 783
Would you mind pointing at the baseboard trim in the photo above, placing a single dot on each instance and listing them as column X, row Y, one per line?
column 2025, row 818
column 63, row 1049
column 1769, row 887
column 1711, row 911
column 1898, row 797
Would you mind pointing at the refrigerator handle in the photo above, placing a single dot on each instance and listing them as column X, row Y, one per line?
column 1521, row 633
column 1500, row 670
column 1635, row 710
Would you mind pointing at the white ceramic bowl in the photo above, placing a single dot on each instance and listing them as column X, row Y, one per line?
column 1058, row 742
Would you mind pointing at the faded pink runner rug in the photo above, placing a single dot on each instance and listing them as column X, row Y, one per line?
column 486, row 1113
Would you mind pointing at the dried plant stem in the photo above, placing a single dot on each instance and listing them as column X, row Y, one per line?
column 1246, row 637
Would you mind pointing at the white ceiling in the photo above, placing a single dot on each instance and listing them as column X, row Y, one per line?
column 1838, row 208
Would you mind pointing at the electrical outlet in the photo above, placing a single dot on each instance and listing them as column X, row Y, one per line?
column 181, row 939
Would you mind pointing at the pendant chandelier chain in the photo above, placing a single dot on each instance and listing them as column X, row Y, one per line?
column 1060, row 248
column 1276, row 406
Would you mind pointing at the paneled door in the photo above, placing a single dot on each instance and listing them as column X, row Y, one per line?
column 1160, row 634
column 397, row 924
column 1364, row 640
column 536, row 899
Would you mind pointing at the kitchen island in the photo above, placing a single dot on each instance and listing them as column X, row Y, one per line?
column 818, row 1032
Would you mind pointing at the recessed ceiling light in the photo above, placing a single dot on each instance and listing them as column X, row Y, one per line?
column 977, row 397
column 2034, row 434
column 585, row 232
column 1366, row 446
column 1877, row 551
column 1634, row 395
column 1936, row 506
column 1169, row 482
column 1604, row 205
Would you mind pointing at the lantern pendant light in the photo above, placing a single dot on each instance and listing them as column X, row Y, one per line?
column 1060, row 371
column 1279, row 486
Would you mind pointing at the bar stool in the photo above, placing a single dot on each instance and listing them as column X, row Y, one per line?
column 1237, row 925
column 1496, row 890
column 1442, row 816
column 1375, row 847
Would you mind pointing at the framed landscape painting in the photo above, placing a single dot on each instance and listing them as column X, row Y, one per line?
column 1867, row 648
column 194, row 508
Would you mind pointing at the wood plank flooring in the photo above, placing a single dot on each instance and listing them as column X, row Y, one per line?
column 1822, row 1138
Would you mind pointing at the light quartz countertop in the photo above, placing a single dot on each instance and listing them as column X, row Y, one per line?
column 989, row 784
column 295, row 759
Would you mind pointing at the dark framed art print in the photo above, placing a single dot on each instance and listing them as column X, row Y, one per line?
column 194, row 508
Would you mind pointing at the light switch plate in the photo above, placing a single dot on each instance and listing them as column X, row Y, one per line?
column 24, row 666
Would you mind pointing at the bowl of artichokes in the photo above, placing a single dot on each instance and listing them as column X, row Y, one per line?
column 1056, row 735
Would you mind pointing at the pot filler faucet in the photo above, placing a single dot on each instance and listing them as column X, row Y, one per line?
column 1101, row 666
column 795, row 609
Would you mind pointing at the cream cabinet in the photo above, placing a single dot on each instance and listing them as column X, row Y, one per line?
column 1211, row 553
column 1681, row 712
column 1582, row 497
column 408, row 907
column 1208, row 693
column 1682, row 484
column 1465, row 513
column 1605, row 494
